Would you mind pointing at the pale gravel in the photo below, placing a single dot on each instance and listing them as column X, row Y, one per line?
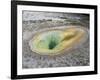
column 32, row 22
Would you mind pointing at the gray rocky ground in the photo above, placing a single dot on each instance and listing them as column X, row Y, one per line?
column 34, row 21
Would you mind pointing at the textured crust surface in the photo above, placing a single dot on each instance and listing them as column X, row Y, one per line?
column 34, row 21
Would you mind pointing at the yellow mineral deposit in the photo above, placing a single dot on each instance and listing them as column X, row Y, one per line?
column 57, row 40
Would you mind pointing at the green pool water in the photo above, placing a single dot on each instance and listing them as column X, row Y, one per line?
column 49, row 40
